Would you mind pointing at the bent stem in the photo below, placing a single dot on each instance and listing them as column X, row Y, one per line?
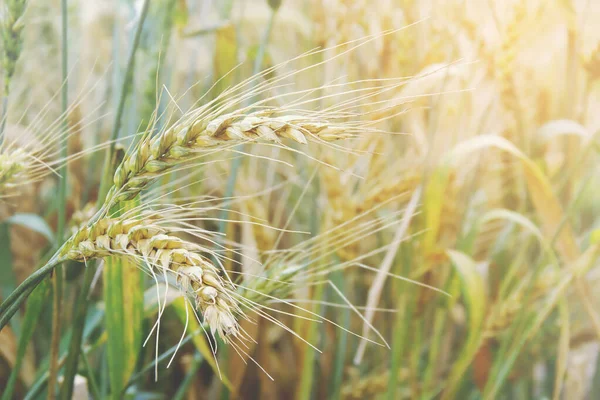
column 14, row 301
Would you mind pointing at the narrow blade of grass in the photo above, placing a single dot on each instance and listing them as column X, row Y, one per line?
column 8, row 280
column 473, row 289
column 338, row 280
column 403, row 322
column 36, row 303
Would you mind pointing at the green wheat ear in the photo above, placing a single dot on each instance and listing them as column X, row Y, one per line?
column 12, row 40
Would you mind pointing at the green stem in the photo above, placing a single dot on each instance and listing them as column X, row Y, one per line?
column 342, row 342
column 94, row 388
column 260, row 55
column 62, row 188
column 3, row 118
column 8, row 280
column 81, row 307
column 57, row 300
column 128, row 76
column 125, row 88
column 13, row 308
column 19, row 295
column 58, row 283
column 189, row 377
column 30, row 322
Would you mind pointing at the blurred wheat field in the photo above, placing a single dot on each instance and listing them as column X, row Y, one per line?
column 299, row 199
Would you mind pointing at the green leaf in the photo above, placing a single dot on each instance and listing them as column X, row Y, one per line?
column 8, row 280
column 33, row 222
column 545, row 202
column 124, row 299
column 433, row 202
column 309, row 358
column 524, row 222
column 36, row 303
column 475, row 298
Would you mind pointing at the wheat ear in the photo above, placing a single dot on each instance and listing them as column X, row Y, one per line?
column 196, row 276
column 12, row 41
column 183, row 142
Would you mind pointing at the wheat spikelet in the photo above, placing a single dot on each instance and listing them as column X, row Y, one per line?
column 391, row 188
column 146, row 241
column 80, row 218
column 145, row 238
column 19, row 167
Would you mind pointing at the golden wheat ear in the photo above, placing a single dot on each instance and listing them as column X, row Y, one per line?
column 152, row 245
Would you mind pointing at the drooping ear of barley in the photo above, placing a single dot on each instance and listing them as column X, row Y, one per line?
column 164, row 254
